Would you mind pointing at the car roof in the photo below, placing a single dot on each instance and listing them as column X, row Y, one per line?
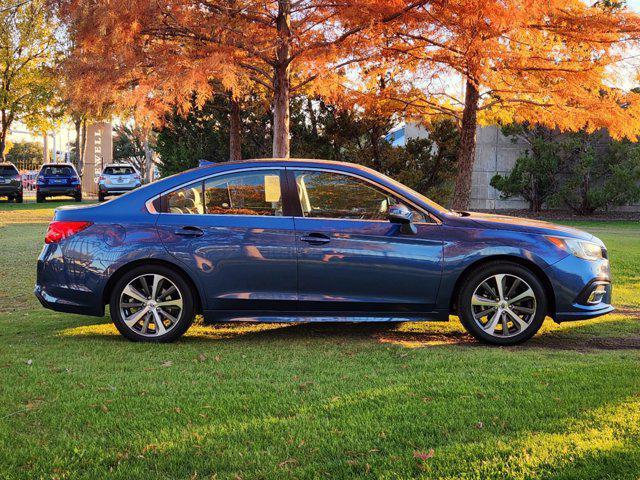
column 59, row 164
column 119, row 165
column 7, row 164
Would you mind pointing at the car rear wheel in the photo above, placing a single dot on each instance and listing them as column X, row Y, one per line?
column 78, row 198
column 100, row 197
column 19, row 198
column 39, row 198
column 152, row 304
column 502, row 303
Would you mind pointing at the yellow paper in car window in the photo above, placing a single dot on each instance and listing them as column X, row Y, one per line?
column 272, row 188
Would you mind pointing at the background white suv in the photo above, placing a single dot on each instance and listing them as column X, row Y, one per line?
column 117, row 179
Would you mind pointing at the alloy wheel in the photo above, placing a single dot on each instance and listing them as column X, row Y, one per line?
column 151, row 305
column 503, row 305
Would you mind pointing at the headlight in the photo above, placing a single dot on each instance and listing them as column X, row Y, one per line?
column 580, row 248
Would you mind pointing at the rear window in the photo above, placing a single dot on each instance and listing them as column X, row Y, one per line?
column 8, row 170
column 119, row 171
column 58, row 171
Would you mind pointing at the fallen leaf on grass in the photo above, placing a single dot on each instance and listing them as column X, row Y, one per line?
column 289, row 461
column 168, row 363
column 422, row 455
column 202, row 357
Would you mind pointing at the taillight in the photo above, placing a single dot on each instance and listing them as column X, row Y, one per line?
column 58, row 231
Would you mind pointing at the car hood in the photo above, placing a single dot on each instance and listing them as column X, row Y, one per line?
column 503, row 222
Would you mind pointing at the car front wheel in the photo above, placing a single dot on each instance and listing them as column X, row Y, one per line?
column 502, row 303
column 152, row 304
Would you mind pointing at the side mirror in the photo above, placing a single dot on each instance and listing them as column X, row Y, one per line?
column 401, row 215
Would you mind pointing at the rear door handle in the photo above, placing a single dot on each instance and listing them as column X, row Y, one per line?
column 316, row 238
column 189, row 232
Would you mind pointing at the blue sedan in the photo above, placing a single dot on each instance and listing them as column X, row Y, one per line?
column 292, row 240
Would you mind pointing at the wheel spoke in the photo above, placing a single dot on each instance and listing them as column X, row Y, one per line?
column 512, row 288
column 145, row 325
column 132, row 319
column 521, row 323
column 528, row 293
column 154, row 287
column 145, row 286
column 481, row 314
column 134, row 293
column 505, row 326
column 167, row 292
column 483, row 301
column 491, row 325
column 132, row 305
column 160, row 328
column 499, row 284
column 171, row 303
column 167, row 315
column 523, row 309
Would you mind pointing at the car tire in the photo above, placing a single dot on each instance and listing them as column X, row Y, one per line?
column 100, row 197
column 78, row 198
column 39, row 198
column 140, row 330
column 507, row 315
column 19, row 198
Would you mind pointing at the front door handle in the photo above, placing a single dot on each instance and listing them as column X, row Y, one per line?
column 189, row 232
column 316, row 238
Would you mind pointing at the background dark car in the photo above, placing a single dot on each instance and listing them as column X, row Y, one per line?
column 10, row 182
column 55, row 179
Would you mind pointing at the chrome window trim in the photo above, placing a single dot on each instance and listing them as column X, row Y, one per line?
column 435, row 219
column 151, row 209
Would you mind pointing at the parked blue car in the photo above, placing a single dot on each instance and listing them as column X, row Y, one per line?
column 291, row 240
column 58, row 179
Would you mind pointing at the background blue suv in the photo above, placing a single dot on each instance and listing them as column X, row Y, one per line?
column 313, row 240
column 58, row 179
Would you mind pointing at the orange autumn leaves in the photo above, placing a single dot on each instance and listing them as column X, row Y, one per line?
column 547, row 62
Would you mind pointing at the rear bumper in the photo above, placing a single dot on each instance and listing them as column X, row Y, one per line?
column 61, row 190
column 66, row 306
column 57, row 289
column 115, row 189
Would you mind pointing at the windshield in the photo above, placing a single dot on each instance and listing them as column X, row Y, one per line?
column 58, row 171
column 119, row 171
column 8, row 170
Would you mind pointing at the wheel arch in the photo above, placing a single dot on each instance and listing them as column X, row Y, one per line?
column 535, row 269
column 121, row 271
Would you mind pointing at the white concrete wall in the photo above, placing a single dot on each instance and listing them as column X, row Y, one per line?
column 495, row 153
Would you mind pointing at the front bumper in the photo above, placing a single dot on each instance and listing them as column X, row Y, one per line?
column 572, row 280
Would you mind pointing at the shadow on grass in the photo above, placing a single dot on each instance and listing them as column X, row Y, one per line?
column 576, row 336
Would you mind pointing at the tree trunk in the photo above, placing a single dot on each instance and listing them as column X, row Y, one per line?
column 3, row 135
column 148, row 160
column 78, row 125
column 45, row 142
column 281, row 82
column 83, row 145
column 235, row 134
column 312, row 118
column 467, row 152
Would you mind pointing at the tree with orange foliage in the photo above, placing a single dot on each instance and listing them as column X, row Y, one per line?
column 548, row 63
column 156, row 53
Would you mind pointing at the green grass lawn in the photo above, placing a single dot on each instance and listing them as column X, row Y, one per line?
column 313, row 401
